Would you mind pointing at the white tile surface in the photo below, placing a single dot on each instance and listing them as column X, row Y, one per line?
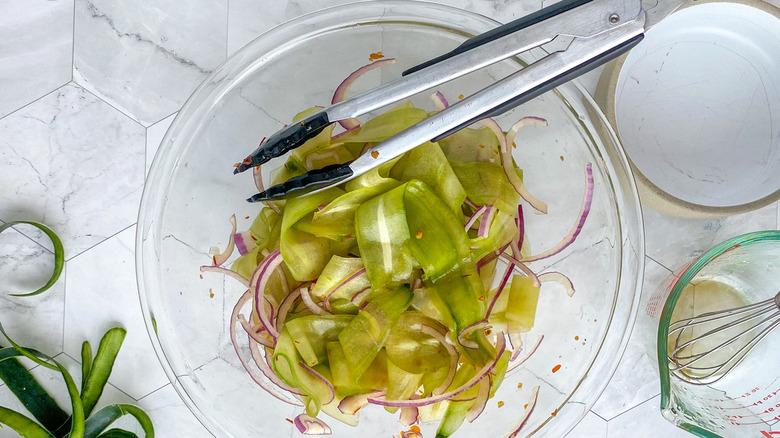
column 36, row 50
column 636, row 378
column 73, row 162
column 644, row 421
column 169, row 415
column 24, row 267
column 154, row 136
column 101, row 293
column 592, row 426
column 146, row 58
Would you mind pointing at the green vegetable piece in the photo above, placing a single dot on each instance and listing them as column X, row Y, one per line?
column 413, row 351
column 499, row 372
column 305, row 254
column 285, row 363
column 59, row 255
column 440, row 243
column 266, row 229
column 366, row 334
column 344, row 275
column 383, row 238
column 387, row 124
column 345, row 381
column 22, row 425
column 471, row 145
column 461, row 291
column 502, row 231
column 428, row 164
column 487, row 184
column 428, row 302
column 521, row 307
column 457, row 410
column 310, row 333
column 400, row 384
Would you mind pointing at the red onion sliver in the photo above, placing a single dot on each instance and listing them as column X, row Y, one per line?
column 509, row 170
column 575, row 231
column 222, row 257
column 357, row 274
column 307, row 301
column 526, row 413
column 525, row 121
column 520, row 227
column 260, row 278
column 517, row 345
column 465, row 343
column 409, row 416
column 481, row 401
column 474, row 217
column 439, row 100
column 265, row 367
column 254, row 333
column 244, row 242
column 257, row 175
column 343, row 88
column 360, row 296
column 228, row 272
column 528, row 353
column 341, row 134
column 470, row 203
column 311, row 426
column 522, row 266
column 350, row 404
column 557, row 277
column 411, row 434
column 487, row 218
column 500, row 347
column 285, row 306
column 259, row 380
column 322, row 379
column 501, row 287
column 443, row 340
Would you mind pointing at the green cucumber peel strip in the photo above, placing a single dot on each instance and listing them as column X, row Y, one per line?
column 59, row 255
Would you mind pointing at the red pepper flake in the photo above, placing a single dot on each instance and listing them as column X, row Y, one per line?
column 514, row 145
column 481, row 298
column 374, row 56
column 237, row 164
column 460, row 96
column 519, row 385
column 561, row 157
column 576, row 338
column 482, row 146
column 348, row 236
column 201, row 276
column 247, row 160
column 418, row 234
column 211, row 293
column 488, row 332
column 495, row 151
column 214, row 259
column 500, row 403
column 258, row 166
column 556, row 368
column 525, row 406
column 303, row 122
column 414, row 428
column 290, row 421
column 296, row 341
column 247, row 217
column 374, row 154
column 554, row 413
column 253, row 237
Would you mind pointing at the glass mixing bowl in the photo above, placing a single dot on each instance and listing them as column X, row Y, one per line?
column 191, row 192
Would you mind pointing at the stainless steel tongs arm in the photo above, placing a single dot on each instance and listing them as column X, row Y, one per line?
column 569, row 18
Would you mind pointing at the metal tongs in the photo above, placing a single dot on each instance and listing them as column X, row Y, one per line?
column 577, row 35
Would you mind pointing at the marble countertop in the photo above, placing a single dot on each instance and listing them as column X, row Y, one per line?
column 88, row 89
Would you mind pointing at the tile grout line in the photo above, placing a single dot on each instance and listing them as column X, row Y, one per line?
column 73, row 46
column 660, row 264
column 98, row 97
column 107, row 237
column 36, row 100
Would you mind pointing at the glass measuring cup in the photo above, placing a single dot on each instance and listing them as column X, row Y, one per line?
column 746, row 401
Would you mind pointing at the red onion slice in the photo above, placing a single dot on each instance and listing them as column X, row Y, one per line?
column 259, row 380
column 232, row 274
column 481, row 401
column 341, row 134
column 453, row 352
column 474, row 217
column 557, row 277
column 257, row 175
column 509, row 170
column 469, row 329
column 244, row 242
column 409, row 416
column 311, row 426
column 322, row 379
column 307, row 301
column 360, row 296
column 516, row 342
column 411, row 434
column 254, row 333
column 487, row 218
column 526, row 413
column 285, row 306
column 528, row 354
column 522, row 267
column 520, row 221
column 343, row 88
column 439, row 100
column 350, row 404
column 500, row 347
column 260, row 278
column 357, row 274
column 501, row 287
column 578, row 224
column 220, row 258
column 470, row 203
column 525, row 121
column 265, row 366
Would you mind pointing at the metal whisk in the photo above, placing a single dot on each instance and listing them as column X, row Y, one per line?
column 742, row 328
